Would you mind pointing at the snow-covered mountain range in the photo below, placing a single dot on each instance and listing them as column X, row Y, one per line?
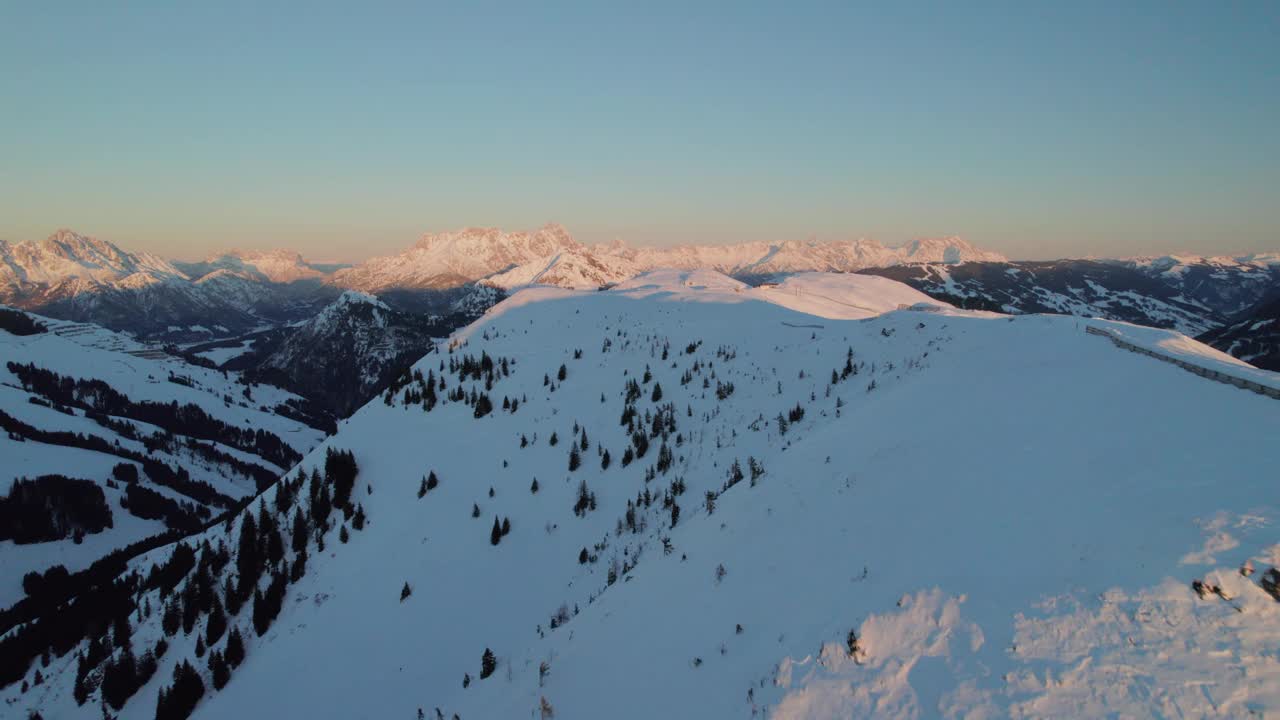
column 74, row 277
column 688, row 496
column 231, row 294
column 550, row 256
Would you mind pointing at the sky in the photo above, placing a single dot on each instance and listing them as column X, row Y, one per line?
column 345, row 130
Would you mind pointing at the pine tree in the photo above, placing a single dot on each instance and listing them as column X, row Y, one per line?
column 488, row 663
column 534, row 487
column 495, row 535
column 216, row 624
column 298, row 536
column 248, row 563
column 432, row 480
column 475, row 510
column 605, row 460
column 177, row 701
column 506, row 526
column 299, row 568
column 235, row 648
column 219, row 670
column 575, row 460
column 120, row 679
column 172, row 617
column 657, row 392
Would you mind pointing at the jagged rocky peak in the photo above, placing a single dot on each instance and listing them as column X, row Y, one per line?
column 69, row 255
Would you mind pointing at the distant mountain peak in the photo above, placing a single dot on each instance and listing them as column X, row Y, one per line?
column 279, row 265
column 67, row 256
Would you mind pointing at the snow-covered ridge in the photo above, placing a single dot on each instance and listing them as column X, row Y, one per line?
column 936, row 513
column 840, row 296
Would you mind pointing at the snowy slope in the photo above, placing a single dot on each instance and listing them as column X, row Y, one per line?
column 1007, row 511
column 1086, row 288
column 143, row 374
column 844, row 297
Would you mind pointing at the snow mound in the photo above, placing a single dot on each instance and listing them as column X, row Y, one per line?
column 845, row 296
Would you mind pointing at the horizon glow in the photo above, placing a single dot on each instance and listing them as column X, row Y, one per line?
column 1036, row 130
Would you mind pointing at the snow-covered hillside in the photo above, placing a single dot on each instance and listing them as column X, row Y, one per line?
column 1228, row 284
column 679, row 498
column 1087, row 288
column 1254, row 336
column 126, row 403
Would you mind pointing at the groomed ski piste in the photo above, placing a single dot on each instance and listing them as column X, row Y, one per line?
column 974, row 515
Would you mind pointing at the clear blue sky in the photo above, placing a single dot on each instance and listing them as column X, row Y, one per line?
column 1039, row 129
